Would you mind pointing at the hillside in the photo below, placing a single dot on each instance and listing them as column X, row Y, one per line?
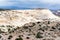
column 33, row 24
column 21, row 17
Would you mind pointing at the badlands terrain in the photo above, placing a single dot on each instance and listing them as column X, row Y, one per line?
column 33, row 24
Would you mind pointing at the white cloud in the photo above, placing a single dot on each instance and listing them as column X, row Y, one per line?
column 42, row 1
column 13, row 2
column 32, row 3
column 7, row 2
column 50, row 1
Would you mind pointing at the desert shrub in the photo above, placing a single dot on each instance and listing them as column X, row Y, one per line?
column 39, row 35
column 48, row 22
column 0, row 36
column 10, row 37
column 25, row 27
column 1, row 31
column 27, row 37
column 2, row 26
column 19, row 38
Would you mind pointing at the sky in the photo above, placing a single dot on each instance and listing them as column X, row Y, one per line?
column 19, row 4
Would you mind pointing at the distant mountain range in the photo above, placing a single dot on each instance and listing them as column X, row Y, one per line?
column 3, row 9
column 56, row 12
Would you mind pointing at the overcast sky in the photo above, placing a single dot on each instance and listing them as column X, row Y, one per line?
column 14, row 4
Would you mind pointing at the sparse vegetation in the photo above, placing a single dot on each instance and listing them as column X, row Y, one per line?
column 2, row 26
column 38, row 22
column 41, row 29
column 0, row 36
column 53, row 28
column 32, row 24
column 1, row 31
column 48, row 22
column 19, row 38
column 39, row 35
column 10, row 37
column 25, row 27
column 9, row 26
column 27, row 37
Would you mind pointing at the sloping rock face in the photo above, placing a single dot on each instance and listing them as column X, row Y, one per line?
column 17, row 18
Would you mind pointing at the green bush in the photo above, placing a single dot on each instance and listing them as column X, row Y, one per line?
column 39, row 35
column 19, row 38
